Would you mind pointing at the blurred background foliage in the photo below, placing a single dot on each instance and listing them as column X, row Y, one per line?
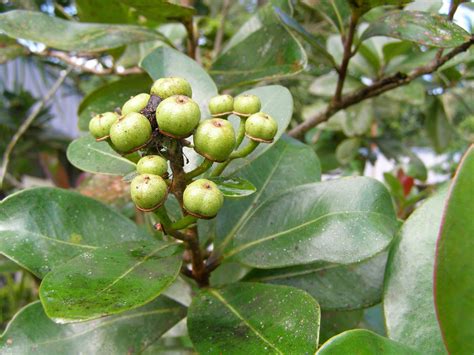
column 411, row 137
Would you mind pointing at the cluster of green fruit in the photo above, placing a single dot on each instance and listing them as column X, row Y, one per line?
column 169, row 113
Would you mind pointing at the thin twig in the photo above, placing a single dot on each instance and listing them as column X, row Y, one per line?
column 377, row 88
column 29, row 120
column 221, row 29
column 192, row 42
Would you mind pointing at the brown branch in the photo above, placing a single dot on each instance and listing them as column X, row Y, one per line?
column 377, row 88
column 346, row 57
column 221, row 29
column 192, row 41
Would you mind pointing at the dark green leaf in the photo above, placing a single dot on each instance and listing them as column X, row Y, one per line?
column 228, row 273
column 336, row 287
column 164, row 62
column 160, row 10
column 267, row 54
column 288, row 163
column 109, row 280
column 42, row 228
column 234, row 186
column 419, row 27
column 408, row 302
column 104, row 11
column 32, row 332
column 347, row 150
column 364, row 342
column 110, row 97
column 335, row 322
column 339, row 221
column 362, row 6
column 454, row 277
column 254, row 318
column 10, row 49
column 336, row 12
column 440, row 131
column 89, row 155
column 72, row 36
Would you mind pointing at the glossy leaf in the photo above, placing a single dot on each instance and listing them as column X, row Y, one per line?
column 278, row 103
column 365, row 343
column 31, row 331
column 288, row 163
column 87, row 154
column 454, row 278
column 254, row 318
column 110, row 97
column 336, row 287
column 419, row 27
column 42, row 228
column 408, row 302
column 10, row 49
column 164, row 62
column 72, row 36
column 160, row 10
column 267, row 54
column 234, row 187
column 109, row 280
column 339, row 221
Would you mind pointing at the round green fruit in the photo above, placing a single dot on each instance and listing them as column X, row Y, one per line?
column 152, row 164
column 130, row 132
column 148, row 191
column 167, row 87
column 214, row 139
column 221, row 105
column 247, row 104
column 261, row 127
column 135, row 104
column 178, row 116
column 99, row 125
column 203, row 199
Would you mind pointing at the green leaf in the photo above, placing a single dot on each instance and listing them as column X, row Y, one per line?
column 454, row 278
column 10, row 49
column 325, row 85
column 439, row 129
column 72, row 36
column 336, row 287
column 109, row 280
column 419, row 27
column 254, row 318
column 348, row 150
column 336, row 12
column 160, row 10
column 288, row 163
column 269, row 53
column 365, row 343
column 234, row 187
column 100, row 11
column 335, row 322
column 413, row 94
column 42, row 228
column 164, row 62
column 362, row 6
column 111, row 96
column 278, row 103
column 408, row 302
column 340, row 221
column 87, row 154
column 32, row 332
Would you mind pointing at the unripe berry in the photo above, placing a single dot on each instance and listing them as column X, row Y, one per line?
column 203, row 199
column 214, row 139
column 247, row 104
column 130, row 132
column 167, row 87
column 221, row 105
column 178, row 116
column 261, row 127
column 99, row 125
column 135, row 104
column 152, row 164
column 148, row 191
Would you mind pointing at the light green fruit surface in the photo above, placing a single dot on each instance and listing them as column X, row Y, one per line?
column 214, row 139
column 221, row 104
column 135, row 104
column 167, row 87
column 130, row 132
column 152, row 164
column 148, row 191
column 202, row 198
column 247, row 104
column 99, row 125
column 261, row 127
column 178, row 116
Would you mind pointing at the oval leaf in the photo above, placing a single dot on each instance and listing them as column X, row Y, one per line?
column 111, row 96
column 420, row 27
column 160, row 10
column 341, row 221
column 32, row 332
column 454, row 278
column 234, row 186
column 254, row 318
column 336, row 287
column 87, row 154
column 365, row 343
column 72, row 36
column 109, row 280
column 408, row 302
column 42, row 228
